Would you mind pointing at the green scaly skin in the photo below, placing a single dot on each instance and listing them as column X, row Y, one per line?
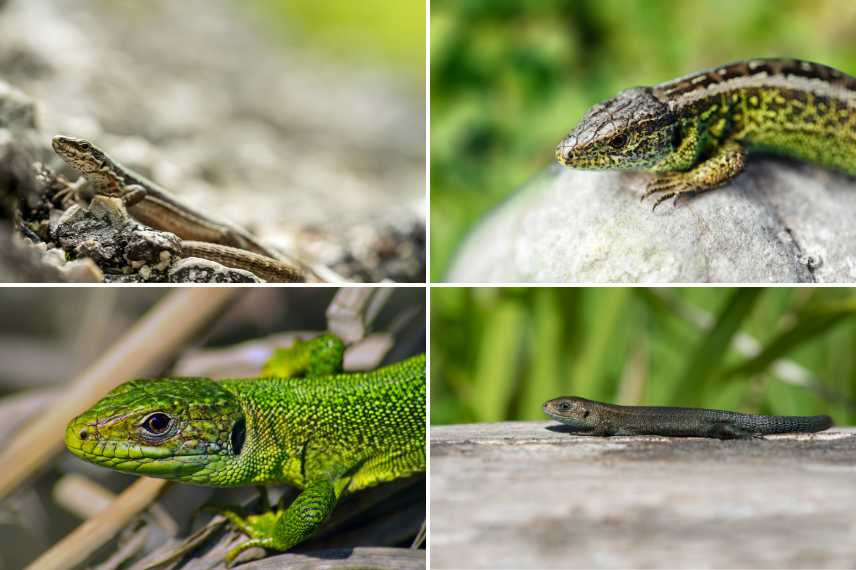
column 327, row 433
column 695, row 132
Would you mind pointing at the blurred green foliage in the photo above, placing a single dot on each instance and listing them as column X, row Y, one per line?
column 510, row 78
column 499, row 354
column 388, row 33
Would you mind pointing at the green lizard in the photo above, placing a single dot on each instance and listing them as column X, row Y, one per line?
column 327, row 433
column 695, row 132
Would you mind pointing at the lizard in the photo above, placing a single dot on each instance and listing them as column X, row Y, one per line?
column 157, row 208
column 694, row 133
column 597, row 418
column 304, row 423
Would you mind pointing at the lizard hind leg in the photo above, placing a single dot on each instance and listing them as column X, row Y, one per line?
column 319, row 356
column 726, row 163
column 729, row 430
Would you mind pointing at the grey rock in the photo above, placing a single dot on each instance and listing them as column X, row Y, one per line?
column 97, row 232
column 106, row 234
column 17, row 110
column 779, row 221
column 152, row 247
column 26, row 261
column 197, row 270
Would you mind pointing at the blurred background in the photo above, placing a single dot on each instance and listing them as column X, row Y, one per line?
column 389, row 36
column 499, row 354
column 303, row 121
column 510, row 78
column 49, row 336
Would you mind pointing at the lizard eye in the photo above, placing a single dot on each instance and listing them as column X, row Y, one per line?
column 157, row 423
column 618, row 141
column 564, row 407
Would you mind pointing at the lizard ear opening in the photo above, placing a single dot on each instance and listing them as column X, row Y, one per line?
column 676, row 137
column 239, row 434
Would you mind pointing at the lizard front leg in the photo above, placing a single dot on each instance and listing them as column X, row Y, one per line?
column 70, row 190
column 133, row 194
column 724, row 165
column 285, row 528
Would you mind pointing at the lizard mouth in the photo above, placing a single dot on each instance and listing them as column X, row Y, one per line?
column 548, row 409
column 569, row 420
column 84, row 441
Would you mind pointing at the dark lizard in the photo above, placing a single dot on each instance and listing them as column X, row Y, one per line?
column 596, row 418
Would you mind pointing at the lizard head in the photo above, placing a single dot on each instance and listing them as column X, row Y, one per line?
column 570, row 410
column 632, row 131
column 80, row 154
column 175, row 428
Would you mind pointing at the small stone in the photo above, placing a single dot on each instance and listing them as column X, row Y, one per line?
column 96, row 232
column 150, row 246
column 197, row 270
column 99, row 252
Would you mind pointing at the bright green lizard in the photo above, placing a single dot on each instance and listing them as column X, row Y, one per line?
column 327, row 433
column 695, row 132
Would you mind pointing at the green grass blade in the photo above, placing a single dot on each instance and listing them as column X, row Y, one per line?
column 498, row 361
column 811, row 323
column 542, row 379
column 606, row 310
column 709, row 354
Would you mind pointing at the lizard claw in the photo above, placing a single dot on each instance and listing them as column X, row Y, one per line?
column 665, row 197
column 670, row 185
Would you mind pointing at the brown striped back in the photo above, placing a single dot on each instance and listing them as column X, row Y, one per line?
column 755, row 67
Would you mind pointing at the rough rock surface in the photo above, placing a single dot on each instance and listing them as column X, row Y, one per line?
column 520, row 495
column 779, row 221
column 196, row 270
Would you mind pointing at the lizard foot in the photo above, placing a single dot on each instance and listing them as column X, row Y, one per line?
column 260, row 528
column 235, row 551
column 251, row 525
column 670, row 185
column 726, row 163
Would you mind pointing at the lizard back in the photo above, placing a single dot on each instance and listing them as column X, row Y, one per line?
column 367, row 426
column 786, row 106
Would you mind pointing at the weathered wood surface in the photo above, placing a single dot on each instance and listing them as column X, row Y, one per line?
column 519, row 495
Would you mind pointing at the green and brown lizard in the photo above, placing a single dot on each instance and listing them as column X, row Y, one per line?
column 305, row 423
column 695, row 132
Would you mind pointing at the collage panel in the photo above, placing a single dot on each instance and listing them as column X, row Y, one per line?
column 254, row 313
column 642, row 428
column 614, row 141
column 192, row 428
column 212, row 141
